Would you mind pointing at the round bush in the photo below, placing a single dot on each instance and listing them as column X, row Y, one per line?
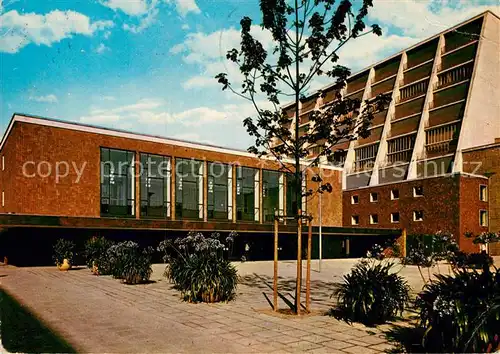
column 461, row 312
column 371, row 293
column 129, row 262
column 198, row 269
column 96, row 255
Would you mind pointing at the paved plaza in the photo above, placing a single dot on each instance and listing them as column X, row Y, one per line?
column 99, row 314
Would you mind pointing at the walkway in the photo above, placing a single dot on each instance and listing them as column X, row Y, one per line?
column 99, row 314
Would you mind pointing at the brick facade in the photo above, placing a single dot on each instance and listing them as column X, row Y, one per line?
column 47, row 145
column 486, row 161
column 449, row 203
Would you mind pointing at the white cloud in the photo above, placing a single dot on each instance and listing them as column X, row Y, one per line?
column 130, row 7
column 102, row 48
column 153, row 112
column 19, row 30
column 108, row 98
column 144, row 22
column 184, row 7
column 44, row 99
column 421, row 19
column 185, row 27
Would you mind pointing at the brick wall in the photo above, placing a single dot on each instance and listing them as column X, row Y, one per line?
column 450, row 204
column 49, row 145
column 486, row 161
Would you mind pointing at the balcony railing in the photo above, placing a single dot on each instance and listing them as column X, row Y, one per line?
column 454, row 75
column 398, row 157
column 363, row 165
column 414, row 90
column 365, row 157
column 441, row 139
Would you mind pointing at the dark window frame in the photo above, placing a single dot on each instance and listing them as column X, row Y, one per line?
column 241, row 214
column 180, row 212
column 145, row 175
column 269, row 217
column 129, row 176
column 211, row 201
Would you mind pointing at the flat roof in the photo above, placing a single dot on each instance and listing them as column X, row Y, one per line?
column 57, row 123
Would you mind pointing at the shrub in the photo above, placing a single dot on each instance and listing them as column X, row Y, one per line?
column 471, row 260
column 371, row 293
column 63, row 249
column 198, row 269
column 96, row 255
column 461, row 312
column 129, row 262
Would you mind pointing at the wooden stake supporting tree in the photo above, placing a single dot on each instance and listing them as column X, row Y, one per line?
column 299, row 264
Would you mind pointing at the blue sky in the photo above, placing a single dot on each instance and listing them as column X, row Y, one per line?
column 148, row 65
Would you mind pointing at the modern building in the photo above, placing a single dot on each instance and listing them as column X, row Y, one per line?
column 416, row 170
column 431, row 162
column 63, row 179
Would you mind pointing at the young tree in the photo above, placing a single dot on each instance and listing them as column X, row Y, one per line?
column 307, row 35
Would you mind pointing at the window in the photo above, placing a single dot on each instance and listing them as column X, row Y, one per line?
column 373, row 197
column 155, row 186
column 188, row 189
column 394, row 217
column 374, row 219
column 418, row 191
column 355, row 220
column 247, row 196
column 418, row 215
column 483, row 217
column 355, row 199
column 394, row 194
column 272, row 191
column 483, row 193
column 219, row 191
column 117, row 183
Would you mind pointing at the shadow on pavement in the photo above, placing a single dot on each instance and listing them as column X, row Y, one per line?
column 21, row 332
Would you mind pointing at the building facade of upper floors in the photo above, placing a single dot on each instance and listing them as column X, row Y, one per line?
column 454, row 203
column 445, row 99
column 485, row 160
column 60, row 168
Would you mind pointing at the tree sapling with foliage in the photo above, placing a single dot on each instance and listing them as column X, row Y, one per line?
column 307, row 37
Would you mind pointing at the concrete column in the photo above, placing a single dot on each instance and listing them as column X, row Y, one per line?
column 137, row 181
column 383, row 146
column 173, row 180
column 235, row 181
column 419, row 146
column 351, row 154
column 205, row 190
